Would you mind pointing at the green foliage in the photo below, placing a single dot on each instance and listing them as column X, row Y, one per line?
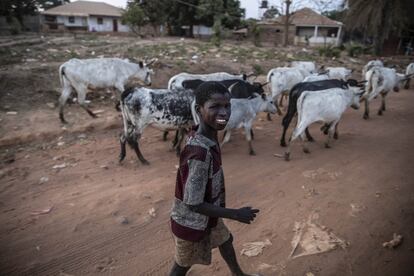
column 356, row 49
column 16, row 27
column 228, row 10
column 257, row 69
column 134, row 17
column 329, row 51
column 270, row 13
column 256, row 32
column 217, row 33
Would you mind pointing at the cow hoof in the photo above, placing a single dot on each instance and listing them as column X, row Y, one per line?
column 287, row 156
column 406, row 87
column 268, row 117
column 282, row 143
column 366, row 117
column 306, row 150
column 145, row 162
column 327, row 146
column 335, row 136
column 120, row 159
column 380, row 112
column 252, row 152
column 310, row 139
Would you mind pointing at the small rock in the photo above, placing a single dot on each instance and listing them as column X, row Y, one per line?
column 51, row 105
column 60, row 144
column 105, row 167
column 396, row 241
column 82, row 136
column 43, row 179
column 123, row 220
column 152, row 212
column 11, row 112
column 93, row 53
column 194, row 57
column 60, row 166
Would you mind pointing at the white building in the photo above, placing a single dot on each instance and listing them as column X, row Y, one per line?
column 84, row 16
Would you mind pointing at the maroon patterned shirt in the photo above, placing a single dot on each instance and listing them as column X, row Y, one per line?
column 200, row 179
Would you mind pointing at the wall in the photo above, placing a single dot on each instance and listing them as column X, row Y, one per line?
column 107, row 24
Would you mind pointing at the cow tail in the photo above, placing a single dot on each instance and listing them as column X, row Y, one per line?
column 61, row 74
column 300, row 106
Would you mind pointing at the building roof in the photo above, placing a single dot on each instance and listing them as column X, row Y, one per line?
column 85, row 8
column 309, row 17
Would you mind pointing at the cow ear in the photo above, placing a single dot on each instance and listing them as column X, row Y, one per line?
column 141, row 64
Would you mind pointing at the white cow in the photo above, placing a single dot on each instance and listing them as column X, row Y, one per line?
column 281, row 80
column 409, row 72
column 339, row 73
column 243, row 114
column 176, row 82
column 370, row 64
column 381, row 80
column 326, row 106
column 84, row 74
column 316, row 77
column 308, row 66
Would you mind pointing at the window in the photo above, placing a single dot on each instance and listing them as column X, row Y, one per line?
column 71, row 19
column 100, row 20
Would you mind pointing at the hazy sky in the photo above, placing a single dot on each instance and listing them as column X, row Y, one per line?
column 252, row 6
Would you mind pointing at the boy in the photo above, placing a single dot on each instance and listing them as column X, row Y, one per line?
column 199, row 206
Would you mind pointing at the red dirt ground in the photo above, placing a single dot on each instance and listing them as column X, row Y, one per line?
column 83, row 234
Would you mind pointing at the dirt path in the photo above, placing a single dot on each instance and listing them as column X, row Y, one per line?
column 97, row 218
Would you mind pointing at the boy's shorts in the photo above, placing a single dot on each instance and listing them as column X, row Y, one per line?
column 188, row 253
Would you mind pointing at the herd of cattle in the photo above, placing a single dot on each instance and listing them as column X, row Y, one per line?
column 315, row 95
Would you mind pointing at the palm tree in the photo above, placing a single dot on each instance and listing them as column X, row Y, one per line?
column 376, row 17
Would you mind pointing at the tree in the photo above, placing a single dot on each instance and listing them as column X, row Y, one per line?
column 228, row 11
column 134, row 17
column 48, row 4
column 377, row 17
column 270, row 13
column 156, row 11
column 286, row 23
column 181, row 14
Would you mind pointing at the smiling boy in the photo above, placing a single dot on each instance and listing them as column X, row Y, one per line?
column 199, row 206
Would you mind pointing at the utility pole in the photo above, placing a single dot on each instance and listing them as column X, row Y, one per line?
column 287, row 17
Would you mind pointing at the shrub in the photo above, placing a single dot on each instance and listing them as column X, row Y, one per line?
column 329, row 51
column 258, row 70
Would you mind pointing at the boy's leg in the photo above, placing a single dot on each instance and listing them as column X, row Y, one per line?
column 179, row 270
column 229, row 256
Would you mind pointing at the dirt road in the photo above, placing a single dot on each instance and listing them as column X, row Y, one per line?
column 92, row 216
column 68, row 208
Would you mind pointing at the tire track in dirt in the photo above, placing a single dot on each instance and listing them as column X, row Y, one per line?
column 83, row 253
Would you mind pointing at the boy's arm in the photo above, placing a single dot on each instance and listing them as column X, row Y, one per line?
column 244, row 215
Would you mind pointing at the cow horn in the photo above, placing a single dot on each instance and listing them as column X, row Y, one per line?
column 152, row 61
column 250, row 75
column 263, row 84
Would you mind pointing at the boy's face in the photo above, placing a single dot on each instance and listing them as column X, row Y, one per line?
column 215, row 112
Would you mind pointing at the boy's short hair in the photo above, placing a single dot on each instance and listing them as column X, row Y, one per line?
column 204, row 91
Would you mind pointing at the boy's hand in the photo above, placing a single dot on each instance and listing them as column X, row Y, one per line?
column 245, row 214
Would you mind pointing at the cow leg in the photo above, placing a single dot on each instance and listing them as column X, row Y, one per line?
column 330, row 135
column 181, row 134
column 366, row 113
column 300, row 128
column 285, row 123
column 117, row 106
column 336, row 135
column 67, row 90
column 122, row 141
column 133, row 142
column 281, row 100
column 81, row 101
column 407, row 84
column 308, row 135
column 164, row 136
column 251, row 133
column 268, row 117
column 382, row 107
column 249, row 139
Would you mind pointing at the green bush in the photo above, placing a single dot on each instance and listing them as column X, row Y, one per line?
column 256, row 32
column 330, row 51
column 355, row 49
column 15, row 26
column 217, row 33
column 258, row 70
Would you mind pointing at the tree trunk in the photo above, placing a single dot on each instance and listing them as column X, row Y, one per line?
column 287, row 16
